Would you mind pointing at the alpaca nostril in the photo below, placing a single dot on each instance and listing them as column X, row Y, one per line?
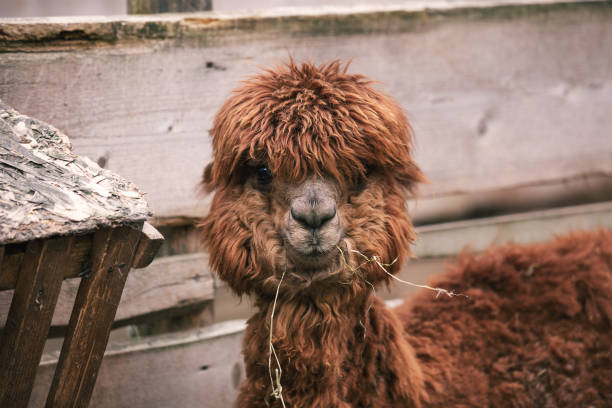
column 328, row 214
column 313, row 217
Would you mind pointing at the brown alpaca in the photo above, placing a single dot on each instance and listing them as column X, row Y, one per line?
column 312, row 164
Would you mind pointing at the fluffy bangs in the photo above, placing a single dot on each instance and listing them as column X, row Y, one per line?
column 307, row 119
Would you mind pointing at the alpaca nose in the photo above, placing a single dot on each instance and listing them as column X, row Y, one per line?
column 313, row 217
column 314, row 207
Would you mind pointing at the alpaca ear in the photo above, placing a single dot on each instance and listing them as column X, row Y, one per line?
column 207, row 177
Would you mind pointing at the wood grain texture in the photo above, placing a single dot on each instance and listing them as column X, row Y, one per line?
column 29, row 318
column 92, row 316
column 201, row 369
column 497, row 100
column 46, row 190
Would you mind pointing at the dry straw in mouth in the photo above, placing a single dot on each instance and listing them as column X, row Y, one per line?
column 277, row 388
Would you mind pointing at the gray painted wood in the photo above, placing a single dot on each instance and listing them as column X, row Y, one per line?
column 499, row 97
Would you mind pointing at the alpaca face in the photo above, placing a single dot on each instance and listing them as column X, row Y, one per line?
column 311, row 165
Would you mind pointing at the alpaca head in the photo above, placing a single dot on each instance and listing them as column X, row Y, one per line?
column 310, row 164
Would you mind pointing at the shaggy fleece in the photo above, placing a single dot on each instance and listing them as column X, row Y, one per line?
column 536, row 330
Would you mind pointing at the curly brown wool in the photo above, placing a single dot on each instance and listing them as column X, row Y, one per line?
column 311, row 162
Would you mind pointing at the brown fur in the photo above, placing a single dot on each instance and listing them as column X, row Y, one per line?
column 536, row 330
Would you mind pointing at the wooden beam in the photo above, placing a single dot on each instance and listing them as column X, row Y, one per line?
column 29, row 318
column 167, row 6
column 148, row 246
column 92, row 317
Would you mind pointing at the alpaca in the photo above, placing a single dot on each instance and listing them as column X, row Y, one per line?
column 311, row 172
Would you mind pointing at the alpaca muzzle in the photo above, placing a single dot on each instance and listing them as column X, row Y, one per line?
column 313, row 226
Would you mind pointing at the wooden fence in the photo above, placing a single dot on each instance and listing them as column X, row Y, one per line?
column 510, row 104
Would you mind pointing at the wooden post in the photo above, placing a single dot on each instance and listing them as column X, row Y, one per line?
column 167, row 6
column 92, row 316
column 23, row 339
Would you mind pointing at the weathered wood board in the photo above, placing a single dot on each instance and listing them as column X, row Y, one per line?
column 200, row 369
column 498, row 96
column 47, row 190
column 168, row 284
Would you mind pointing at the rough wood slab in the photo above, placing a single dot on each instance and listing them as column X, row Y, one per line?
column 47, row 190
column 499, row 95
column 197, row 369
column 45, row 32
column 29, row 319
column 92, row 317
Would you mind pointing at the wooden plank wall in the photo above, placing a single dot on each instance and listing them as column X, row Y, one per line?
column 510, row 105
column 499, row 96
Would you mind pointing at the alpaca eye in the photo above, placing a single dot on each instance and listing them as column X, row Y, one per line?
column 362, row 179
column 264, row 175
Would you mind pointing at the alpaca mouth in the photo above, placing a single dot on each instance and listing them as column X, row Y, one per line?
column 315, row 266
column 311, row 258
